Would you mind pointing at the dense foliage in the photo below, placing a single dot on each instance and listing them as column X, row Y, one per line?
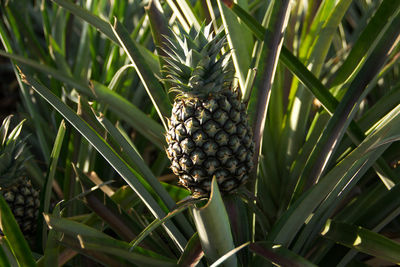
column 319, row 79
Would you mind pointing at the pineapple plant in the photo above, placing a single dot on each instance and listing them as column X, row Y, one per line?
column 208, row 133
column 15, row 187
column 322, row 194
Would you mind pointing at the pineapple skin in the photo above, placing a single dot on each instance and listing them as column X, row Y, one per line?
column 208, row 133
column 207, row 137
column 23, row 200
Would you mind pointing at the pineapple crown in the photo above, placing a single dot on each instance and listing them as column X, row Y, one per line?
column 194, row 67
column 12, row 156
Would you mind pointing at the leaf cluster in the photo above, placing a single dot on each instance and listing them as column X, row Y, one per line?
column 321, row 79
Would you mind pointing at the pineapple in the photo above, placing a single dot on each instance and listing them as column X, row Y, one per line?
column 208, row 132
column 15, row 187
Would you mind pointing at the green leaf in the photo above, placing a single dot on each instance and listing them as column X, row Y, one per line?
column 291, row 62
column 131, row 114
column 153, row 87
column 133, row 156
column 6, row 256
column 176, row 192
column 278, row 254
column 337, row 125
column 159, row 27
column 380, row 108
column 128, row 174
column 365, row 42
column 351, row 167
column 5, row 125
column 105, row 208
column 28, row 40
column 313, row 52
column 374, row 214
column 46, row 192
column 362, row 240
column 322, row 30
column 15, row 239
column 97, row 22
column 229, row 254
column 212, row 223
column 373, row 210
column 240, row 42
column 121, row 106
column 192, row 254
column 179, row 15
column 52, row 250
column 31, row 107
column 259, row 100
column 187, row 12
column 157, row 222
column 92, row 239
column 143, row 60
column 240, row 224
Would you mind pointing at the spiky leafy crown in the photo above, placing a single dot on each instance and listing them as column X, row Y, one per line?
column 194, row 67
column 12, row 156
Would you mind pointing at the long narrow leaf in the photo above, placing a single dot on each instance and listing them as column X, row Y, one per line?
column 278, row 254
column 109, row 154
column 313, row 54
column 363, row 240
column 156, row 223
column 234, row 251
column 147, row 174
column 51, row 252
column 374, row 28
column 355, row 163
column 15, row 238
column 32, row 109
column 258, row 104
column 212, row 223
column 345, row 111
column 6, row 256
column 192, row 254
column 121, row 106
column 97, row 22
column 240, row 41
column 116, row 218
column 190, row 16
column 154, row 89
column 46, row 193
column 92, row 239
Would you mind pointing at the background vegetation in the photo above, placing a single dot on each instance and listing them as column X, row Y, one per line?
column 321, row 79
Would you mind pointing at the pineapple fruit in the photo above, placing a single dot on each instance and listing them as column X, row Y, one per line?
column 15, row 187
column 209, row 134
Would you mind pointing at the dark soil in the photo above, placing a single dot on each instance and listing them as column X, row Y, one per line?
column 9, row 91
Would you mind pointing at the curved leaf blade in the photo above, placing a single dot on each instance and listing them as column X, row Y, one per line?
column 15, row 238
column 92, row 239
column 154, row 89
column 279, row 255
column 240, row 42
column 356, row 163
column 363, row 240
column 374, row 28
column 128, row 174
column 192, row 254
column 212, row 223
column 121, row 106
column 273, row 41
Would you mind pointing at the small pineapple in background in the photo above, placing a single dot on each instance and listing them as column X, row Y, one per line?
column 209, row 134
column 15, row 187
